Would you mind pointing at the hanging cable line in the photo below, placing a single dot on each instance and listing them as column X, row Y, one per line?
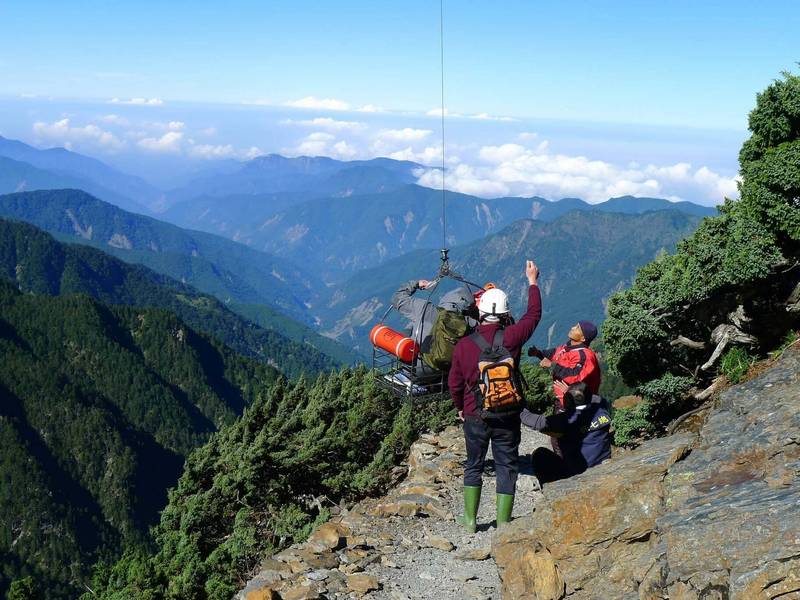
column 395, row 357
column 441, row 63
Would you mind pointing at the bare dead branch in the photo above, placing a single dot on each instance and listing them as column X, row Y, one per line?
column 684, row 341
column 705, row 394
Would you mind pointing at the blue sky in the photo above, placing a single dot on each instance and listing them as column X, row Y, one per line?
column 642, row 83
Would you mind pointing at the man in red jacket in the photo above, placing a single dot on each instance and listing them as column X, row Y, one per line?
column 573, row 362
column 502, row 432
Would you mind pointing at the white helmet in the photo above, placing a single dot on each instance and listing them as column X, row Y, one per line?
column 492, row 304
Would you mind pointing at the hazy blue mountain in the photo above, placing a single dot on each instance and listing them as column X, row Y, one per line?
column 629, row 205
column 315, row 176
column 348, row 233
column 17, row 176
column 634, row 205
column 233, row 272
column 129, row 192
column 40, row 264
column 583, row 256
column 341, row 235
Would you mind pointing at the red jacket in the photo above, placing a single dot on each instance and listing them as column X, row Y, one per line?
column 464, row 369
column 573, row 364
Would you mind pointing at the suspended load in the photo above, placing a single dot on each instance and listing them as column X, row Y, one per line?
column 413, row 368
column 403, row 347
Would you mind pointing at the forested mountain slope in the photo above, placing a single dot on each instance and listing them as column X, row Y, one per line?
column 100, row 405
column 584, row 257
column 40, row 264
column 232, row 272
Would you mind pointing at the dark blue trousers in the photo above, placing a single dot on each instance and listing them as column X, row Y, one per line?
column 504, row 435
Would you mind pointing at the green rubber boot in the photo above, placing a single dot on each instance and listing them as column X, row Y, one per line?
column 472, row 499
column 505, row 506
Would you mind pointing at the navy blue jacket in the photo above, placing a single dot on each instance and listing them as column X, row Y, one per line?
column 584, row 435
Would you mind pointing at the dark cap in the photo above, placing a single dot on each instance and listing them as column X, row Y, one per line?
column 588, row 329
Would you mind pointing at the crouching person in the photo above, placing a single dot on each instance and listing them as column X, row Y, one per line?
column 583, row 431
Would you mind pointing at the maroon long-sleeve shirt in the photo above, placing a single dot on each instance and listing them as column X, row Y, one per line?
column 464, row 370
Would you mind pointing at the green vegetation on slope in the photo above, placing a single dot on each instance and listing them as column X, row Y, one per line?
column 258, row 484
column 38, row 263
column 100, row 405
column 734, row 281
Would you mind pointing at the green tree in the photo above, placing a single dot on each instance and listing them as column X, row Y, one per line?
column 730, row 282
column 23, row 589
column 264, row 482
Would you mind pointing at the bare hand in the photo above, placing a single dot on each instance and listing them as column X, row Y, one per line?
column 560, row 386
column 545, row 363
column 532, row 272
column 423, row 283
column 461, row 415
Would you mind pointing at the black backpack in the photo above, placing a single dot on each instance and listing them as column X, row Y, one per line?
column 499, row 390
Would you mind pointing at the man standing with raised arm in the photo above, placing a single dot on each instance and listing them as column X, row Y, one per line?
column 503, row 431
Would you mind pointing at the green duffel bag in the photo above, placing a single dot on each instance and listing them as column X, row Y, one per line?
column 448, row 328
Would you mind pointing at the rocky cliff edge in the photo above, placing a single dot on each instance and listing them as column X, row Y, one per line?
column 713, row 515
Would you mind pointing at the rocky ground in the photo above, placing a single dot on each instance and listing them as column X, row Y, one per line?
column 407, row 544
column 709, row 513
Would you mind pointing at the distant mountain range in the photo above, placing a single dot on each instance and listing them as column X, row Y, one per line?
column 341, row 235
column 230, row 271
column 304, row 233
column 314, row 175
column 584, row 257
column 67, row 169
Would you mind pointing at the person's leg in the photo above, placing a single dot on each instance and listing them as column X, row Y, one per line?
column 476, row 436
column 549, row 466
column 505, row 435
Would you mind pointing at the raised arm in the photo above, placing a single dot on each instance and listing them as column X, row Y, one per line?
column 520, row 332
column 405, row 303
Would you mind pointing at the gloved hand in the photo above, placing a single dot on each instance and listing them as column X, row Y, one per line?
column 535, row 352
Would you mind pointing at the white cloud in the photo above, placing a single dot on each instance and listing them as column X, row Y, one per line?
column 519, row 170
column 176, row 125
column 344, row 150
column 464, row 179
column 326, row 123
column 321, row 143
column 170, row 142
column 370, row 108
column 487, row 117
column 437, row 112
column 139, row 101
column 114, row 119
column 62, row 131
column 431, row 155
column 212, row 152
column 319, row 103
column 404, row 135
